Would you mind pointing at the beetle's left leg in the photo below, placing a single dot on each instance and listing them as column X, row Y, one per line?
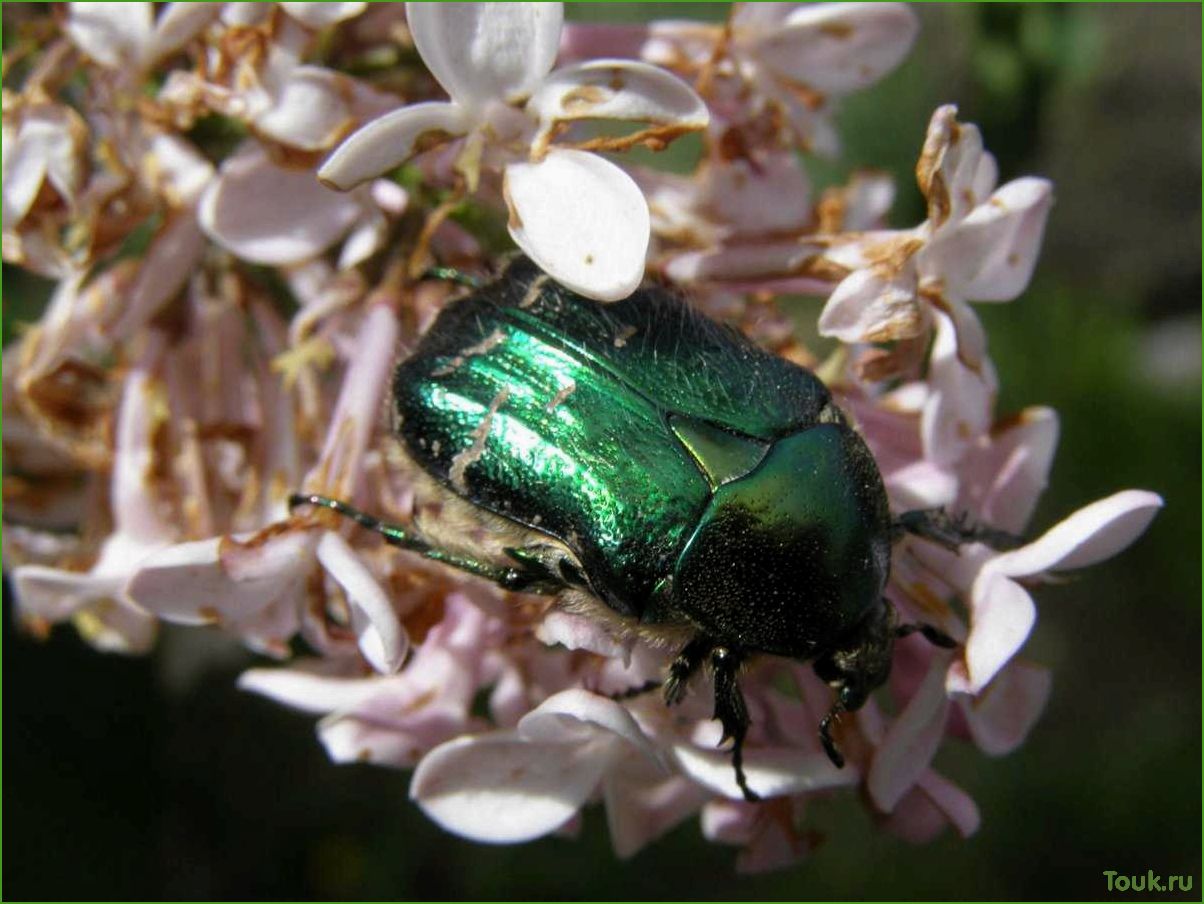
column 731, row 711
column 951, row 531
column 523, row 578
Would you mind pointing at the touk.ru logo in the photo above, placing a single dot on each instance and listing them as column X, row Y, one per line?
column 1147, row 883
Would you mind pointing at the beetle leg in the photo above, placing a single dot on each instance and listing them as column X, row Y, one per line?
column 636, row 691
column 855, row 666
column 684, row 666
column 452, row 274
column 951, row 531
column 521, row 579
column 731, row 712
column 932, row 634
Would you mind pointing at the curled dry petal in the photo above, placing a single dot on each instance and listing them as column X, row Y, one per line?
column 954, row 172
column 268, row 214
column 481, row 52
column 582, row 220
column 874, row 306
column 618, row 89
column 390, row 140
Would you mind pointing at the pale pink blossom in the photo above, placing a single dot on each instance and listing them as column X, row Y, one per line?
column 511, row 50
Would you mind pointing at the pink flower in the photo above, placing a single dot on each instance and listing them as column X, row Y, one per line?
column 544, row 185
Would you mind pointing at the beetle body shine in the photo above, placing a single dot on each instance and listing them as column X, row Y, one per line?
column 660, row 471
column 690, row 478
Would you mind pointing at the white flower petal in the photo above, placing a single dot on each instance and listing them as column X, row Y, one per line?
column 499, row 789
column 911, row 740
column 770, row 772
column 1001, row 716
column 1092, row 534
column 741, row 263
column 389, row 141
column 112, row 34
column 576, row 716
column 643, row 802
column 578, row 632
column 868, row 306
column 309, row 691
column 958, row 410
column 270, row 215
column 382, row 640
column 1002, row 481
column 320, row 15
column 991, row 254
column 178, row 24
column 582, row 220
column 219, row 579
column 48, row 145
column 170, row 260
column 1003, row 617
column 955, row 803
column 838, row 48
column 618, row 89
column 310, row 111
column 486, row 51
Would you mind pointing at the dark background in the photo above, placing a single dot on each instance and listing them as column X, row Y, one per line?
column 155, row 778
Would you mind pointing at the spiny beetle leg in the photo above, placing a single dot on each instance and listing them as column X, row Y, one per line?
column 732, row 713
column 405, row 538
column 952, row 531
column 825, row 734
column 684, row 666
column 932, row 634
column 636, row 691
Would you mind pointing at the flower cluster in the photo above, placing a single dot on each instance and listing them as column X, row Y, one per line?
column 238, row 204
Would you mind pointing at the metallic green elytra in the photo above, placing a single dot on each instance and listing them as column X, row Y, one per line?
column 651, row 459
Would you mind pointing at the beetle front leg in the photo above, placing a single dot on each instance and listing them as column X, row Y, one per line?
column 522, row 579
column 732, row 713
column 684, row 666
column 951, row 531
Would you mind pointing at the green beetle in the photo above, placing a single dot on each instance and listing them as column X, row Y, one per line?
column 657, row 470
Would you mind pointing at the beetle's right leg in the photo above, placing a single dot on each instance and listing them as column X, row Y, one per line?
column 521, row 578
column 951, row 531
